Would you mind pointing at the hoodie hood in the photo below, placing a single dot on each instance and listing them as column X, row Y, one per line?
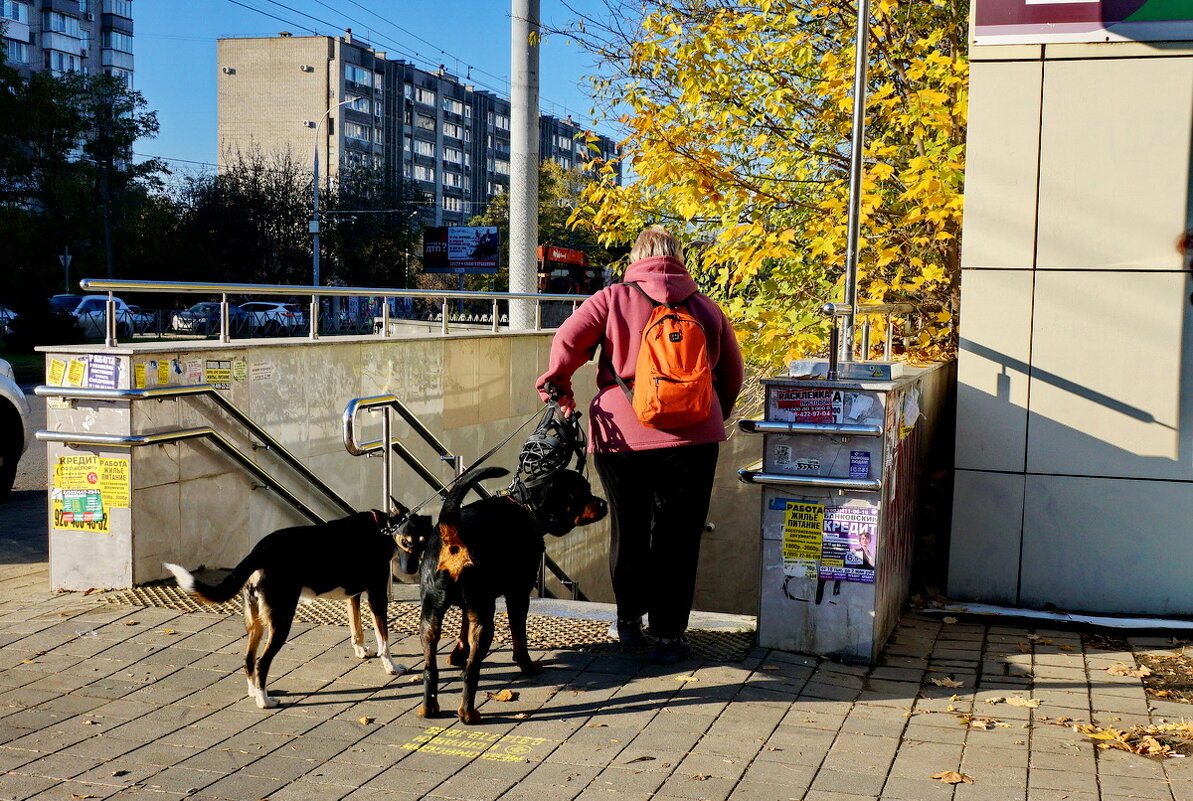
column 664, row 278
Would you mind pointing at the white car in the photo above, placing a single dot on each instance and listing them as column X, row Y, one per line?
column 92, row 316
column 15, row 429
column 273, row 319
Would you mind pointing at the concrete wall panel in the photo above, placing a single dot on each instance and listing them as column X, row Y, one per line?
column 1114, row 163
column 1108, row 545
column 984, row 551
column 1110, row 358
column 992, row 369
column 1000, row 172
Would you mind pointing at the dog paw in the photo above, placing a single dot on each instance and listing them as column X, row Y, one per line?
column 429, row 710
column 530, row 667
column 361, row 652
column 469, row 717
column 265, row 702
column 393, row 669
column 458, row 657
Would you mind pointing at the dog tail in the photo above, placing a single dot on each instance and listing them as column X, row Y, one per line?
column 214, row 593
column 450, row 513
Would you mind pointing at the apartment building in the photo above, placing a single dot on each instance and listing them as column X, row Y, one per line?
column 356, row 106
column 94, row 37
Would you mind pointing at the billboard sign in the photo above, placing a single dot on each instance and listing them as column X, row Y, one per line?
column 461, row 249
column 1001, row 22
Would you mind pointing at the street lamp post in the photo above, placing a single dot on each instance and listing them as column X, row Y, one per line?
column 315, row 223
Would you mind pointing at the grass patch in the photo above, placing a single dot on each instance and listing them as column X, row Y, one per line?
column 26, row 366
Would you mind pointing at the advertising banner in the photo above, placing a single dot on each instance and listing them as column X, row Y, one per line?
column 84, row 490
column 461, row 249
column 1001, row 22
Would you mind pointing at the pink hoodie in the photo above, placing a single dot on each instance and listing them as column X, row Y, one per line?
column 613, row 319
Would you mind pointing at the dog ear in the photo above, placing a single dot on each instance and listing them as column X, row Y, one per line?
column 396, row 509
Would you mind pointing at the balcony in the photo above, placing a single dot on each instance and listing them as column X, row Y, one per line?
column 115, row 58
column 70, row 7
column 116, row 22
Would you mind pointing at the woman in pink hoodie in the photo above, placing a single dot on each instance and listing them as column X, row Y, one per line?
column 658, row 482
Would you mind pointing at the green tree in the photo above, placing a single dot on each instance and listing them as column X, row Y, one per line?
column 739, row 116
column 372, row 233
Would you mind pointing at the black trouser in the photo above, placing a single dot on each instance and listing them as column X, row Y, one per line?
column 659, row 501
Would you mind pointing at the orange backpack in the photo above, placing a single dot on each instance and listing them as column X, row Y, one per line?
column 672, row 380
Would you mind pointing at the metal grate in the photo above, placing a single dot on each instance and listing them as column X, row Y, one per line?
column 543, row 632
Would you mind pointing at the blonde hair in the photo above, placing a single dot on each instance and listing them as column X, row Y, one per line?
column 655, row 241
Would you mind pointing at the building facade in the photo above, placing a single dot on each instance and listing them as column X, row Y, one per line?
column 339, row 97
column 92, row 37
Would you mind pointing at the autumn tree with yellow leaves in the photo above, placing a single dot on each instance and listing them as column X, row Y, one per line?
column 739, row 119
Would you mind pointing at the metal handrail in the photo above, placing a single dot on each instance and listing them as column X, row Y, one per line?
column 74, row 438
column 97, row 285
column 752, row 476
column 388, row 402
column 845, row 311
column 162, row 393
column 781, row 427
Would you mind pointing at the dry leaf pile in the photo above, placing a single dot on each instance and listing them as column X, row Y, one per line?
column 1158, row 740
column 503, row 695
column 946, row 682
column 1123, row 669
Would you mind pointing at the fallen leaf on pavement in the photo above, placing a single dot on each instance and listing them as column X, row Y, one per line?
column 996, row 700
column 946, row 682
column 770, row 667
column 168, row 631
column 950, row 620
column 686, row 678
column 598, row 725
column 1033, row 636
column 1024, row 648
column 1065, row 647
column 953, row 777
column 639, row 759
column 503, row 695
column 120, row 773
column 365, row 721
column 1123, row 669
column 132, row 622
column 1018, row 700
column 701, row 777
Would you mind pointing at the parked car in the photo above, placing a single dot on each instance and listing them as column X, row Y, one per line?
column 91, row 312
column 272, row 319
column 144, row 321
column 7, row 315
column 204, row 318
column 15, row 429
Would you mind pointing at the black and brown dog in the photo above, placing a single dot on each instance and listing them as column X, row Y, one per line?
column 490, row 549
column 336, row 560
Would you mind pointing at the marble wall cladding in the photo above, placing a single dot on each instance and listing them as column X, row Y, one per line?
column 461, row 384
column 157, row 536
column 277, row 394
column 214, row 523
column 493, row 379
column 84, row 560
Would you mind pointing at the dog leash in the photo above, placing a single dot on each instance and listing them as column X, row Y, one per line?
column 440, row 492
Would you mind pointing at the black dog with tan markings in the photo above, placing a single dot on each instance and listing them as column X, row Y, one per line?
column 490, row 549
column 337, row 560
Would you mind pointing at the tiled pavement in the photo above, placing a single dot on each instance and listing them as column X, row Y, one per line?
column 100, row 701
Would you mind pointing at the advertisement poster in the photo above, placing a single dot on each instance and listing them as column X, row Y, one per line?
column 1000, row 22
column 56, row 372
column 461, row 249
column 802, row 527
column 850, row 540
column 103, row 372
column 163, row 372
column 809, row 405
column 218, row 374
column 76, row 371
column 84, row 490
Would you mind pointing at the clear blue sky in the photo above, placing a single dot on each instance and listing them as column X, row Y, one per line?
column 176, row 43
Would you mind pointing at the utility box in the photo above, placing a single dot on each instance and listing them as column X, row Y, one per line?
column 839, row 475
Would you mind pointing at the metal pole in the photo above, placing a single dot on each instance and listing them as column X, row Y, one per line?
column 861, row 60
column 888, row 346
column 315, row 213
column 866, row 340
column 224, row 318
column 314, row 317
column 524, row 157
column 110, row 321
column 496, row 323
column 386, row 453
column 443, row 326
column 385, row 317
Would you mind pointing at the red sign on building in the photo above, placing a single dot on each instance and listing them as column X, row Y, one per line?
column 1054, row 21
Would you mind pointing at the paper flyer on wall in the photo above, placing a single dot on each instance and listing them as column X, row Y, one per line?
column 802, row 527
column 84, row 490
column 850, row 542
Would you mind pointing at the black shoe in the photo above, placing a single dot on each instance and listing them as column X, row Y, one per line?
column 628, row 632
column 668, row 652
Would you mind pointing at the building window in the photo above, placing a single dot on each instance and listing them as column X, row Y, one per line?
column 124, row 75
column 61, row 62
column 357, row 75
column 60, row 23
column 424, row 96
column 453, row 106
column 426, row 123
column 408, row 170
column 456, row 131
column 564, row 142
column 354, row 130
column 502, row 121
column 453, row 179
column 407, row 144
column 358, row 104
column 121, row 8
column 453, row 204
column 422, row 173
column 17, row 12
column 501, row 167
column 453, row 155
column 563, row 161
column 16, row 52
column 496, row 188
column 118, row 41
column 423, row 148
